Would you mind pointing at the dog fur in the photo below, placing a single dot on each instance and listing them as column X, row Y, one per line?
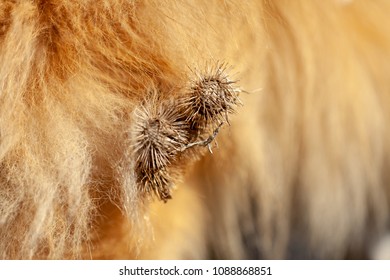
column 300, row 172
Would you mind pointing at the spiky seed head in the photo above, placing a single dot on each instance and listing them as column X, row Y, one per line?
column 158, row 183
column 164, row 130
column 159, row 133
column 212, row 97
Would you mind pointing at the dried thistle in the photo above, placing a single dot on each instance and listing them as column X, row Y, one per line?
column 212, row 97
column 158, row 182
column 164, row 130
column 159, row 134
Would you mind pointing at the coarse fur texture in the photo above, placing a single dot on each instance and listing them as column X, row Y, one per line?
column 87, row 93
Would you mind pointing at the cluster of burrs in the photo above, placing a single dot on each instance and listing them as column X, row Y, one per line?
column 167, row 133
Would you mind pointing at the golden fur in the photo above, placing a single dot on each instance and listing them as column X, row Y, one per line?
column 301, row 172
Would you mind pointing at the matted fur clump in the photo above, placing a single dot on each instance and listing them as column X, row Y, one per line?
column 107, row 109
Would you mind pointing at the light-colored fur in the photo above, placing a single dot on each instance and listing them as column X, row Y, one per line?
column 301, row 172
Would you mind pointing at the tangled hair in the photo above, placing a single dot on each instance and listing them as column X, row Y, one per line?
column 107, row 108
